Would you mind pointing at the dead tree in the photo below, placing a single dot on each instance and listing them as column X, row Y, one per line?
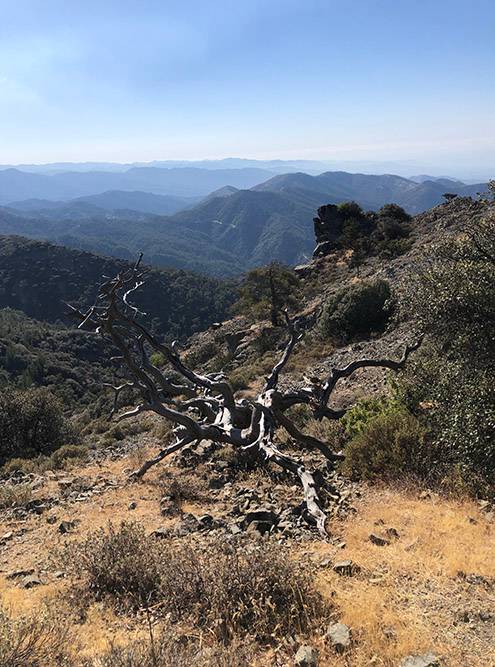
column 205, row 407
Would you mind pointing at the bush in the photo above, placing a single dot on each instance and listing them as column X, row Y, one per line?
column 460, row 400
column 172, row 650
column 453, row 301
column 122, row 564
column 267, row 289
column 357, row 311
column 389, row 446
column 230, row 590
column 31, row 423
column 34, row 641
column 61, row 458
column 67, row 454
column 15, row 495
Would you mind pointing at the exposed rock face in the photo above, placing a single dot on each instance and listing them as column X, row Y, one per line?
column 328, row 227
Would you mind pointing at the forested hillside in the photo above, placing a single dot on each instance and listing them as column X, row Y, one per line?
column 38, row 277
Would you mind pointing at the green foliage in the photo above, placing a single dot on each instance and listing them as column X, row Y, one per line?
column 454, row 303
column 71, row 364
column 384, row 233
column 388, row 445
column 38, row 278
column 31, row 423
column 357, row 418
column 268, row 289
column 458, row 404
column 357, row 311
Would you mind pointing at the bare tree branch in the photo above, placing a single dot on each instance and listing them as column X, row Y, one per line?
column 204, row 406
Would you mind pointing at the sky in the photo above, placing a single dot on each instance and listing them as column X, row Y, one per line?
column 123, row 80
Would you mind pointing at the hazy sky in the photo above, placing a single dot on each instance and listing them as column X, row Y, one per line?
column 123, row 80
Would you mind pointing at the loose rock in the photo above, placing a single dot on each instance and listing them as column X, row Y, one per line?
column 379, row 540
column 425, row 660
column 31, row 581
column 339, row 636
column 306, row 656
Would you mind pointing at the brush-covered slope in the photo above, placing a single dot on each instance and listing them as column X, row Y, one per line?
column 257, row 226
column 370, row 191
column 123, row 234
column 38, row 277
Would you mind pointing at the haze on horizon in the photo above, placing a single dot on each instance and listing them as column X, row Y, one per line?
column 359, row 80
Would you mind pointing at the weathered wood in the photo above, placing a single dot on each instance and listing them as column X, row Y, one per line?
column 204, row 406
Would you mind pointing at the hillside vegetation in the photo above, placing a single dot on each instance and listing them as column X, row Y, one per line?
column 213, row 557
column 235, row 227
column 39, row 278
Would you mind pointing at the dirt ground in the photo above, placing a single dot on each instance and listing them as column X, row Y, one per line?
column 431, row 587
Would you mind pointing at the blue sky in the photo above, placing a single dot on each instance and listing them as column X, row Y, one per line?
column 122, row 80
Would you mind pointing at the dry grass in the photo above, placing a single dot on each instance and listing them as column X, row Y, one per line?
column 230, row 591
column 38, row 640
column 407, row 597
column 15, row 495
column 168, row 649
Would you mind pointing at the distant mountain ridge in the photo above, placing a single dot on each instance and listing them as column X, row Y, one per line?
column 114, row 200
column 16, row 185
column 371, row 191
column 228, row 231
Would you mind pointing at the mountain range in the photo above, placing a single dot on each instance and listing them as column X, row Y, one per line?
column 224, row 233
column 16, row 185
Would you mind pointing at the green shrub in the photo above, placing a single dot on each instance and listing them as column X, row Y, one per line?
column 357, row 418
column 31, row 423
column 357, row 311
column 388, row 446
column 453, row 301
column 267, row 289
column 460, row 412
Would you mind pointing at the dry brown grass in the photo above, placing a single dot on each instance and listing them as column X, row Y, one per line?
column 36, row 640
column 229, row 590
column 168, row 649
column 406, row 599
column 14, row 495
column 408, row 594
